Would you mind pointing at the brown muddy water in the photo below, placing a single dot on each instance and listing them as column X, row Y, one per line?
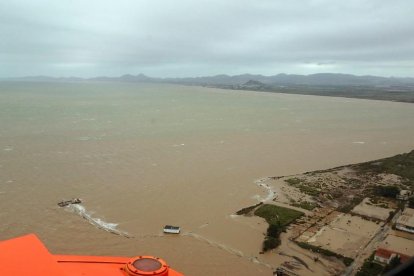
column 144, row 155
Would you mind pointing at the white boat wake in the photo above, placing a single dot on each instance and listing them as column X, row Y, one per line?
column 112, row 228
column 97, row 222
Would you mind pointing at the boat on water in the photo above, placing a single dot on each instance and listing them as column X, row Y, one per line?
column 69, row 202
column 169, row 229
column 27, row 255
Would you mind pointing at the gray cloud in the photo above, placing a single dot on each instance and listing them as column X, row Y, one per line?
column 191, row 38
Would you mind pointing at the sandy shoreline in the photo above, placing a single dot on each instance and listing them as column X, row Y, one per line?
column 339, row 216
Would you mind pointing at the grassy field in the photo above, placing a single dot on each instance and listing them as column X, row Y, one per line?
column 277, row 218
column 247, row 210
column 277, row 215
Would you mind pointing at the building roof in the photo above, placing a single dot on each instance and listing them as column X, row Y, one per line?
column 386, row 254
column 383, row 253
column 397, row 245
column 407, row 217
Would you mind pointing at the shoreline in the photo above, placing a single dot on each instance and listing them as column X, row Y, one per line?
column 302, row 91
column 382, row 95
column 357, row 223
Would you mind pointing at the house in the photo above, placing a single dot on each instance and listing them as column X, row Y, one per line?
column 394, row 246
column 385, row 256
column 406, row 221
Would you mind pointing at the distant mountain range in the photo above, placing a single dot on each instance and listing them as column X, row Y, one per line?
column 323, row 79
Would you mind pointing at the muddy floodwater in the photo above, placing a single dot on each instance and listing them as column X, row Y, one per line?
column 141, row 156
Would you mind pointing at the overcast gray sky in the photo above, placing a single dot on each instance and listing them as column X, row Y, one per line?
column 165, row 38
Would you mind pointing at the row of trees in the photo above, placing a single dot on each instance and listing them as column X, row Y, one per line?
column 387, row 191
column 272, row 239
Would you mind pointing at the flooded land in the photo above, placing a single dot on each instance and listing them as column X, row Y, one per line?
column 342, row 216
column 141, row 156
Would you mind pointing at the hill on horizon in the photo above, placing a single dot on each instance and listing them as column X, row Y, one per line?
column 322, row 84
column 336, row 79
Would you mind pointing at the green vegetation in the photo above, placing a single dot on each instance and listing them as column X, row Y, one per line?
column 293, row 181
column 270, row 243
column 305, row 205
column 277, row 218
column 272, row 239
column 347, row 261
column 370, row 268
column 309, row 190
column 411, row 202
column 396, row 261
column 402, row 165
column 304, row 187
column 247, row 210
column 277, row 215
column 387, row 191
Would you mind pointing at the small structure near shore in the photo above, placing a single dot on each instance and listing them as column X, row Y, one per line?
column 169, row 229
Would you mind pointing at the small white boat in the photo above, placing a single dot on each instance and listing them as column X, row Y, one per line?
column 169, row 229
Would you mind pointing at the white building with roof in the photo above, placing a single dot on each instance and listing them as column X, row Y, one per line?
column 406, row 221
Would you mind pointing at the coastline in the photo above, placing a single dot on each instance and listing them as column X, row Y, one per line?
column 325, row 221
column 370, row 93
